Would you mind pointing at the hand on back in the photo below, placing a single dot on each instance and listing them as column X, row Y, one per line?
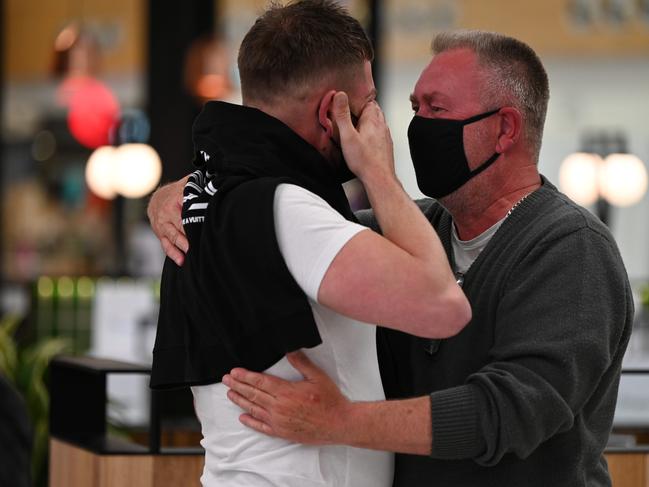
column 164, row 212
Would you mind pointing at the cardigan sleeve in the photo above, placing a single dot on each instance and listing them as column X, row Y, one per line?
column 561, row 328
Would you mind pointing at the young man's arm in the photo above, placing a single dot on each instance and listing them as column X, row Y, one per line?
column 402, row 279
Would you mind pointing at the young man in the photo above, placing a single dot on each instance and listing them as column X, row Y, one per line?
column 277, row 261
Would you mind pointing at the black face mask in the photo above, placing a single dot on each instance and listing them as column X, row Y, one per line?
column 437, row 151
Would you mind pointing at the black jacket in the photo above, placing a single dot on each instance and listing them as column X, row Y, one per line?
column 234, row 302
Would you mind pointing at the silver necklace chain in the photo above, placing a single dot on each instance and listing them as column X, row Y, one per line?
column 516, row 204
column 459, row 276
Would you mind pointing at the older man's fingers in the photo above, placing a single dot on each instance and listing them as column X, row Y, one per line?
column 263, row 382
column 256, row 425
column 303, row 365
column 249, row 407
column 172, row 252
column 249, row 392
column 182, row 243
column 175, row 235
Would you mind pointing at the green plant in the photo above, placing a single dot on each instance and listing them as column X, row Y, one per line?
column 26, row 368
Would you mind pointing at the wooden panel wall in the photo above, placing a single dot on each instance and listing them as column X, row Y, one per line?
column 31, row 26
column 546, row 25
column 71, row 466
column 629, row 469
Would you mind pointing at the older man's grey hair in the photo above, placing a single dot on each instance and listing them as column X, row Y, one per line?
column 514, row 73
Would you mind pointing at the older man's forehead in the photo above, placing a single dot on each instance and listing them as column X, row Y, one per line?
column 448, row 74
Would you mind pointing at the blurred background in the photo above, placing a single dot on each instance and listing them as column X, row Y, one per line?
column 97, row 99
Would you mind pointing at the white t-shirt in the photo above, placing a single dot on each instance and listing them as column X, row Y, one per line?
column 465, row 252
column 310, row 234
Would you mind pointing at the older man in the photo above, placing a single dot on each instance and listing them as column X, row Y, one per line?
column 277, row 261
column 525, row 394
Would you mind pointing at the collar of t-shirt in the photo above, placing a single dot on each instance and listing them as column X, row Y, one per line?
column 465, row 252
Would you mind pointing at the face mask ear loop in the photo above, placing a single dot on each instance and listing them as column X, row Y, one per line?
column 493, row 158
column 480, row 116
column 485, row 165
